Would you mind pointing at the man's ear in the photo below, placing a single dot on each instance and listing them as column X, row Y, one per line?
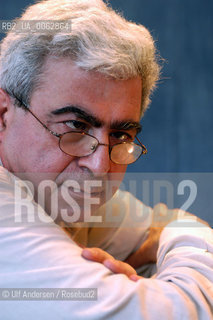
column 4, row 106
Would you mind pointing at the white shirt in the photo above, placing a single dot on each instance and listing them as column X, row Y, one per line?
column 41, row 255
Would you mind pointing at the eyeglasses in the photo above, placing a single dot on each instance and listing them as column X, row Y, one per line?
column 82, row 144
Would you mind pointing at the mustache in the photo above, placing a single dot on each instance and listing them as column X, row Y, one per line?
column 90, row 184
column 80, row 179
column 82, row 176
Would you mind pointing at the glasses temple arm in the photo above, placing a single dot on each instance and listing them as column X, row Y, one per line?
column 143, row 147
column 27, row 107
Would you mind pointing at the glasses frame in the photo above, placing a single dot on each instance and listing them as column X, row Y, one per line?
column 60, row 135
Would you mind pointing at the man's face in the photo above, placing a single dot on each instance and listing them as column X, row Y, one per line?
column 28, row 148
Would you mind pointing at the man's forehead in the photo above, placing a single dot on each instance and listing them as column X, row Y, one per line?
column 64, row 84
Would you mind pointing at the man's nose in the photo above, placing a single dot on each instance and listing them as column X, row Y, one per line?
column 98, row 162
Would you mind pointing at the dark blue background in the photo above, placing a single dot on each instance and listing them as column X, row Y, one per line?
column 178, row 127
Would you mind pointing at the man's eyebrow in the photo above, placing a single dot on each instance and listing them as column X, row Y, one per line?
column 126, row 125
column 94, row 121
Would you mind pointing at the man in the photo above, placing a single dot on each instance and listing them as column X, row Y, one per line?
column 70, row 105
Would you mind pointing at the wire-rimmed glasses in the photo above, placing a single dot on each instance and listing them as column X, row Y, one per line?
column 81, row 144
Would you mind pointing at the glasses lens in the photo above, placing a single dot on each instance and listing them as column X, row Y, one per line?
column 78, row 144
column 125, row 153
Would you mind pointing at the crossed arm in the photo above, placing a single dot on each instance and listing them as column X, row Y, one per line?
column 42, row 256
column 147, row 253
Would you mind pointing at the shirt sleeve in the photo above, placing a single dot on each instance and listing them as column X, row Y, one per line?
column 38, row 254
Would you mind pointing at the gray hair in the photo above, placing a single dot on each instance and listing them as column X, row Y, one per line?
column 100, row 40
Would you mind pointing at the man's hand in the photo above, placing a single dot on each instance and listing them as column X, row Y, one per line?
column 116, row 266
column 162, row 216
column 147, row 253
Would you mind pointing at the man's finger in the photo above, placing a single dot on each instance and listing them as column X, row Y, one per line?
column 117, row 266
column 135, row 277
column 96, row 254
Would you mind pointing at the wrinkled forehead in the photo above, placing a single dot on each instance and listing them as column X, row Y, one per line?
column 63, row 84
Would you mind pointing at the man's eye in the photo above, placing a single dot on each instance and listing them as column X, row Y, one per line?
column 76, row 125
column 121, row 136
